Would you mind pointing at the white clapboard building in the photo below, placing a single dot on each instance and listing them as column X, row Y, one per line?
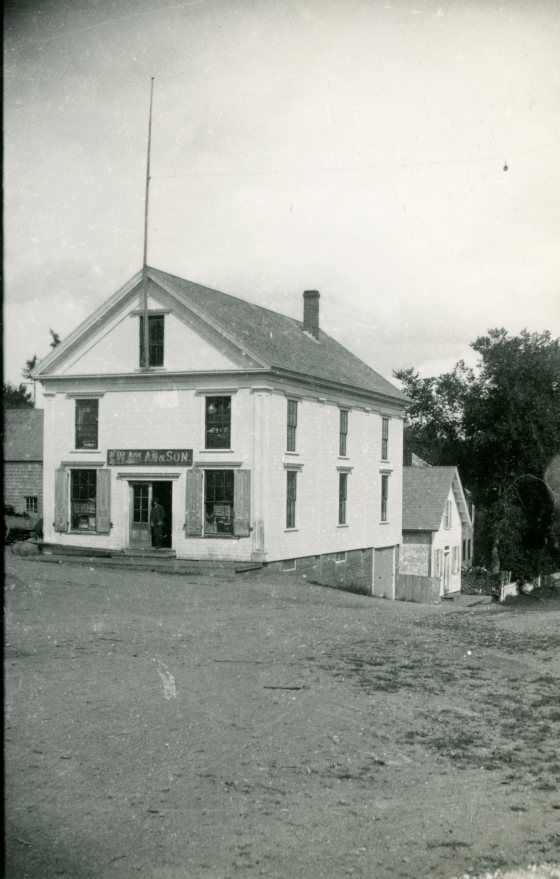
column 257, row 437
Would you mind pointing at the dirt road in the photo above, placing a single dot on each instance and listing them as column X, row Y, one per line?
column 167, row 726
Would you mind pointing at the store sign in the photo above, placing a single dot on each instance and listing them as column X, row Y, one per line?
column 149, row 457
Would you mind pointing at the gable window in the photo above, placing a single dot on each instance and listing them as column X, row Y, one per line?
column 291, row 495
column 87, row 412
column 83, row 500
column 292, row 425
column 155, row 340
column 218, row 423
column 342, row 497
column 31, row 505
column 447, row 516
column 384, row 496
column 218, row 501
column 343, row 433
column 384, row 439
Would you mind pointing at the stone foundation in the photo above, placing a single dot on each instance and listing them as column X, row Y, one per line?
column 353, row 574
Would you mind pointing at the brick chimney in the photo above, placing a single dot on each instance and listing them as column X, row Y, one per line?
column 311, row 312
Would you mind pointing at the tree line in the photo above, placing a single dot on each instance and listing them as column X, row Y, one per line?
column 21, row 396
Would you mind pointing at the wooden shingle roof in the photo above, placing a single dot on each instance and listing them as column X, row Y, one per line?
column 278, row 340
column 23, row 435
column 425, row 491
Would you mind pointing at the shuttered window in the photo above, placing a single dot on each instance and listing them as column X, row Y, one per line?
column 292, row 426
column 83, row 500
column 218, row 503
column 87, row 416
column 155, row 340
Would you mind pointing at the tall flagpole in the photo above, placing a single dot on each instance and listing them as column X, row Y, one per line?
column 146, row 359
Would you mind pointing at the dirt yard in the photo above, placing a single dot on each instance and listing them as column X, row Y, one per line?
column 247, row 725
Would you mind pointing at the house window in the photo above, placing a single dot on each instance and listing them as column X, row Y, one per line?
column 447, row 517
column 340, row 556
column 437, row 563
column 31, row 505
column 87, row 412
column 384, row 439
column 83, row 500
column 342, row 496
column 155, row 340
column 289, row 565
column 218, row 423
column 343, row 433
column 291, row 494
column 384, row 495
column 455, row 560
column 292, row 425
column 218, row 501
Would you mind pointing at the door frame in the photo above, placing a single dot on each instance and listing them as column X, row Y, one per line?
column 150, row 477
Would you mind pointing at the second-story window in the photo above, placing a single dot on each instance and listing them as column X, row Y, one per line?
column 384, row 439
column 292, row 426
column 155, row 340
column 218, row 423
column 87, row 412
column 447, row 516
column 343, row 433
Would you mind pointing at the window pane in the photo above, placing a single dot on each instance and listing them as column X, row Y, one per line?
column 155, row 340
column 342, row 495
column 218, row 423
column 291, row 494
column 343, row 431
column 86, row 423
column 292, row 425
column 218, row 501
column 384, row 439
column 384, row 497
column 83, row 495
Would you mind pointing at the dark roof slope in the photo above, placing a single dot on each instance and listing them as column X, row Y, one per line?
column 279, row 340
column 23, row 435
column 425, row 491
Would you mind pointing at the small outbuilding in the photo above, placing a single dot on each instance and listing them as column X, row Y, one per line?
column 23, row 462
column 435, row 520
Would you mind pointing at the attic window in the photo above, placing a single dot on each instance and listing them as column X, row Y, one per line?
column 447, row 517
column 155, row 340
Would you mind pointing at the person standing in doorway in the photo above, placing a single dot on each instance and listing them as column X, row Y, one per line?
column 157, row 522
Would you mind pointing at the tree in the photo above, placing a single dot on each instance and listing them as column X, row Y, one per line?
column 55, row 339
column 17, row 397
column 500, row 423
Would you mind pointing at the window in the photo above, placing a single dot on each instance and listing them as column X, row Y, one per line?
column 86, row 423
column 218, row 423
column 343, row 432
column 342, row 496
column 83, row 500
column 155, row 340
column 31, row 504
column 218, row 501
column 291, row 494
column 384, row 495
column 292, row 425
column 384, row 439
column 437, row 563
column 455, row 560
column 289, row 565
column 447, row 517
column 340, row 556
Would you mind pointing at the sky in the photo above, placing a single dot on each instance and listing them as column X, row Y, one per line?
column 349, row 146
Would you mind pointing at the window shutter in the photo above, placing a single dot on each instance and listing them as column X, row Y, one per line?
column 61, row 499
column 242, row 503
column 103, row 502
column 193, row 511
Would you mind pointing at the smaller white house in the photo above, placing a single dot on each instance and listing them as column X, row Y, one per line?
column 435, row 517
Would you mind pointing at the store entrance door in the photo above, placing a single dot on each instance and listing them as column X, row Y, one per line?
column 150, row 515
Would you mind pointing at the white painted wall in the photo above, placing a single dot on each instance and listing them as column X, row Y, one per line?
column 449, row 537
column 175, row 419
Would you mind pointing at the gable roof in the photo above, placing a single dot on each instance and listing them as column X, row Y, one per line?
column 272, row 339
column 425, row 491
column 23, row 435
